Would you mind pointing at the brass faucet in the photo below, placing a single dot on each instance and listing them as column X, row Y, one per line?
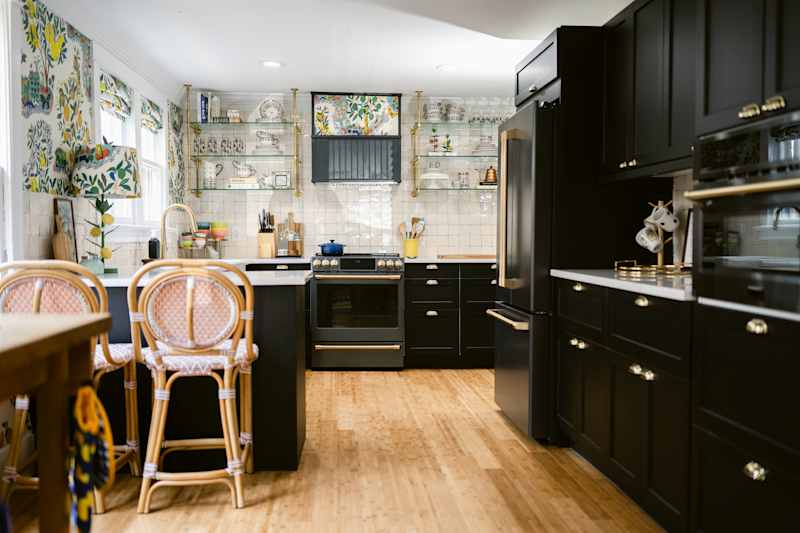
column 192, row 219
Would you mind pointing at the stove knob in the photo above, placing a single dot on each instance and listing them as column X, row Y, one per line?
column 325, row 263
column 382, row 263
column 316, row 263
column 398, row 264
column 334, row 263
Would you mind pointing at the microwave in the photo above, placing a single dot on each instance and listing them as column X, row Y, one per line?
column 747, row 214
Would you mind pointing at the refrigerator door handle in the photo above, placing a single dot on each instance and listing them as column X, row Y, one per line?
column 502, row 241
column 516, row 324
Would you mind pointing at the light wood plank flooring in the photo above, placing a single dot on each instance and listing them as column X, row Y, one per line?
column 417, row 450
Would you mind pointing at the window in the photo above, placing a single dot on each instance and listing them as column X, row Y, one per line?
column 130, row 119
column 8, row 211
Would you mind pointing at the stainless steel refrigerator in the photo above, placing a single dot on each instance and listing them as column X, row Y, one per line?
column 523, row 312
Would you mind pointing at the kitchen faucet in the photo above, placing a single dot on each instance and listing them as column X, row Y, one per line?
column 166, row 211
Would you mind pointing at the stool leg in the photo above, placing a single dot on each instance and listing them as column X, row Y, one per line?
column 154, row 441
column 12, row 459
column 246, row 407
column 232, row 438
column 132, row 416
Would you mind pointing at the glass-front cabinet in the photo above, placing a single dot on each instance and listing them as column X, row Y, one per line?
column 243, row 141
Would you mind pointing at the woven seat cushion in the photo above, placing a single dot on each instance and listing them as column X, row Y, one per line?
column 200, row 364
column 121, row 354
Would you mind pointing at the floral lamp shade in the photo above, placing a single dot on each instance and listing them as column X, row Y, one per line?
column 107, row 171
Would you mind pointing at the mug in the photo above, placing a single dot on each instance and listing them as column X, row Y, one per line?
column 647, row 238
column 661, row 216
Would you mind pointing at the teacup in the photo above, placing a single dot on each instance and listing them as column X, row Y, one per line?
column 647, row 238
column 661, row 216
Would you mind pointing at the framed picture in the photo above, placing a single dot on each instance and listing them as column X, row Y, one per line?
column 65, row 245
column 281, row 179
column 355, row 115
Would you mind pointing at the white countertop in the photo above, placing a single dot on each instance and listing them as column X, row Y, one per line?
column 456, row 261
column 272, row 261
column 670, row 287
column 258, row 279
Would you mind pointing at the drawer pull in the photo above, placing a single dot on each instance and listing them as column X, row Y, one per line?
column 633, row 163
column 493, row 267
column 579, row 287
column 431, row 313
column 533, row 88
column 431, row 282
column 493, row 282
column 577, row 343
column 749, row 111
column 635, row 369
column 756, row 326
column 773, row 104
column 755, row 471
column 641, row 301
column 432, row 267
column 648, row 375
column 624, row 164
column 282, row 267
column 517, row 325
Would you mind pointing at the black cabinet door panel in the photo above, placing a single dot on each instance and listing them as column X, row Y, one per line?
column 730, row 61
column 782, row 71
column 596, row 409
column 431, row 270
column 583, row 304
column 618, row 95
column 725, row 499
column 540, row 70
column 477, row 328
column 569, row 389
column 629, row 407
column 478, row 270
column 746, row 379
column 432, row 290
column 478, row 290
column 649, row 82
column 431, row 327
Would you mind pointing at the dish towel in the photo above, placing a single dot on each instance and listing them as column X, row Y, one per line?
column 92, row 465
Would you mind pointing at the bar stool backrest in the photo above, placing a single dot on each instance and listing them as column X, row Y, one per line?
column 51, row 286
column 191, row 308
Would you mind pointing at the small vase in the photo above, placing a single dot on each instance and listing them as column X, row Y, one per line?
column 266, row 245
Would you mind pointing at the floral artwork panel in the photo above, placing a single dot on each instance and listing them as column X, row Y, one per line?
column 176, row 138
column 356, row 115
column 56, row 93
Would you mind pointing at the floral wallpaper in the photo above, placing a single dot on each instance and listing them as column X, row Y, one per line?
column 56, row 97
column 176, row 170
column 356, row 115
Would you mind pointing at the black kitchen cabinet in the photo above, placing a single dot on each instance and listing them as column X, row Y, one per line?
column 622, row 397
column 649, row 88
column 446, row 321
column 747, row 61
column 537, row 70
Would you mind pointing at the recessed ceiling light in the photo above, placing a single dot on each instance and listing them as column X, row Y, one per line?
column 445, row 68
column 269, row 63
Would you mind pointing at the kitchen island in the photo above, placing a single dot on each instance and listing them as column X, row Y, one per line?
column 279, row 331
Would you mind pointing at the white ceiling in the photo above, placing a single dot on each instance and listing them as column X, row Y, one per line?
column 329, row 45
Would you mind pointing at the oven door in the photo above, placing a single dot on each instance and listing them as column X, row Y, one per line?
column 748, row 245
column 354, row 308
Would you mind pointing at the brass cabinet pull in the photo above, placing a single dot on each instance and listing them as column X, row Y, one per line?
column 431, row 313
column 773, row 104
column 517, row 325
column 635, row 369
column 756, row 326
column 493, row 267
column 641, row 301
column 579, row 287
column 533, row 88
column 431, row 282
column 493, row 282
column 282, row 267
column 755, row 471
column 749, row 111
column 392, row 347
column 577, row 343
column 633, row 163
column 432, row 267
column 750, row 188
column 624, row 164
column 648, row 375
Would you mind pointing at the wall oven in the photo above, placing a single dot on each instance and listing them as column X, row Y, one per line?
column 747, row 216
column 357, row 313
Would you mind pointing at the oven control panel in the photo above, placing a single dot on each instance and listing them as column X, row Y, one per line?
column 352, row 264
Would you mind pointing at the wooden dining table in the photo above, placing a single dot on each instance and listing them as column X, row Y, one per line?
column 49, row 355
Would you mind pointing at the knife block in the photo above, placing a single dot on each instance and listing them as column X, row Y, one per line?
column 267, row 245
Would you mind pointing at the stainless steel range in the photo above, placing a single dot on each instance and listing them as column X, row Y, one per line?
column 357, row 311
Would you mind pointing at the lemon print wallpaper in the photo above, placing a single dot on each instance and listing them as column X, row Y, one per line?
column 56, row 97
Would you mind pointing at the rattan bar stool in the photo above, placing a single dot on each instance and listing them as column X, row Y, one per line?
column 65, row 287
column 193, row 316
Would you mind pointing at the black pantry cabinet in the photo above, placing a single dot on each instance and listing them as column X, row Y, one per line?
column 747, row 63
column 648, row 116
column 623, row 392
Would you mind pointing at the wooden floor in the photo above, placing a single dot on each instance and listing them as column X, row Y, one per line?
column 418, row 450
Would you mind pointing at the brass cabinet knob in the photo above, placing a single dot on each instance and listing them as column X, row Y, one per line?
column 432, row 282
column 750, row 111
column 641, row 301
column 773, row 104
column 579, row 287
column 431, row 313
column 573, row 341
column 756, row 326
column 648, row 375
column 624, row 164
column 432, row 267
column 533, row 88
column 635, row 369
column 633, row 163
column 755, row 471
column 577, row 343
column 493, row 282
